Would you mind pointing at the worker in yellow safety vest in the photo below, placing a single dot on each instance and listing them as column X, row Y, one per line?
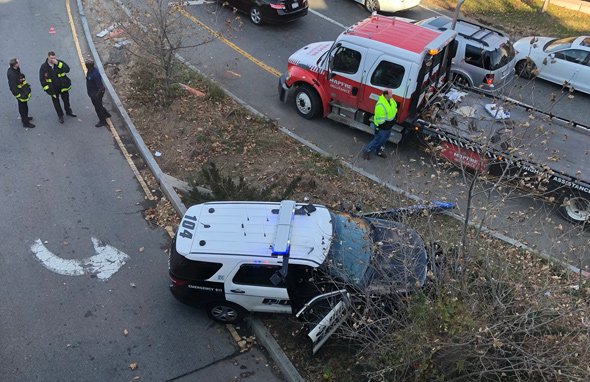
column 56, row 83
column 383, row 121
column 20, row 88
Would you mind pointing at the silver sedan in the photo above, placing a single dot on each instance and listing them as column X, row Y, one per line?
column 564, row 61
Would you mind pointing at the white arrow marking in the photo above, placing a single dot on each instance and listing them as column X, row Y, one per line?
column 104, row 264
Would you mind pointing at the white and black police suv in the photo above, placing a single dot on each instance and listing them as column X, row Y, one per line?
column 302, row 259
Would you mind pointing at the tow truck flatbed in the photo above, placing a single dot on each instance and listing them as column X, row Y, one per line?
column 550, row 153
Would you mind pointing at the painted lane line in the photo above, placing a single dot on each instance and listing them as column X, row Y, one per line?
column 103, row 264
column 142, row 183
column 185, row 3
column 218, row 35
column 327, row 18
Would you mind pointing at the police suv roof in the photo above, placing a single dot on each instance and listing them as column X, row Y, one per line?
column 249, row 229
column 398, row 33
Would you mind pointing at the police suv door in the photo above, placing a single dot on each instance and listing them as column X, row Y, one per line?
column 249, row 286
column 323, row 315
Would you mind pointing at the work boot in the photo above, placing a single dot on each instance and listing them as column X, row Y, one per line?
column 61, row 119
column 382, row 154
column 100, row 124
column 28, row 125
column 366, row 156
column 71, row 114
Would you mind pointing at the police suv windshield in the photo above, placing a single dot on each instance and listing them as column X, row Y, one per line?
column 374, row 251
column 350, row 253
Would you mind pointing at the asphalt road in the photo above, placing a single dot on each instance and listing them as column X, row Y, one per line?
column 253, row 77
column 64, row 185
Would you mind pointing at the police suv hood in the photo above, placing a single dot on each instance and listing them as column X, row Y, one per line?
column 308, row 56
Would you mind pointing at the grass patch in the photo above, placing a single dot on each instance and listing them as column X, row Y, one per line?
column 522, row 18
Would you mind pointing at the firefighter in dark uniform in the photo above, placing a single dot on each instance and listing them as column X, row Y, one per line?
column 95, row 89
column 21, row 90
column 56, row 83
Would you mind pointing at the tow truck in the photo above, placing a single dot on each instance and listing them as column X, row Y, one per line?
column 342, row 80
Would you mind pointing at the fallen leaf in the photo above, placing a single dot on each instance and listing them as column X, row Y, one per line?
column 125, row 332
column 133, row 365
column 141, row 249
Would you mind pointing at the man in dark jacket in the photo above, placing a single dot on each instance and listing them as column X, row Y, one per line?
column 21, row 90
column 56, row 83
column 95, row 89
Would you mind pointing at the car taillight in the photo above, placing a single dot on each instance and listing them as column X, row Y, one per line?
column 277, row 5
column 489, row 80
column 177, row 282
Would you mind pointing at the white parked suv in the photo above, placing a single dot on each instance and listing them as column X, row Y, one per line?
column 239, row 257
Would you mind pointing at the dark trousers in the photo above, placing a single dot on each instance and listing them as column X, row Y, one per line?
column 23, row 110
column 101, row 112
column 65, row 96
column 380, row 138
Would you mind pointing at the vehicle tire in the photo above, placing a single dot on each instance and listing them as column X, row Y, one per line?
column 525, row 68
column 576, row 209
column 460, row 80
column 225, row 312
column 372, row 5
column 307, row 102
column 256, row 15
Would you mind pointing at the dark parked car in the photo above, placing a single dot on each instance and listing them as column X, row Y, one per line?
column 270, row 11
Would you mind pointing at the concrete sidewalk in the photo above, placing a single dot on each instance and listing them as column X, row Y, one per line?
column 574, row 5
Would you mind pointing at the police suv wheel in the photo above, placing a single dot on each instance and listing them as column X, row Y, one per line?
column 307, row 102
column 576, row 210
column 256, row 15
column 372, row 5
column 225, row 312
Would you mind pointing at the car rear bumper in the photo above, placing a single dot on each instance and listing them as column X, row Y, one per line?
column 396, row 6
column 273, row 16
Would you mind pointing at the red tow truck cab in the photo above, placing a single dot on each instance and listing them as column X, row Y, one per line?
column 343, row 79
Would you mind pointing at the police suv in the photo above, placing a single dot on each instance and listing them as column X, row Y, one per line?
column 239, row 257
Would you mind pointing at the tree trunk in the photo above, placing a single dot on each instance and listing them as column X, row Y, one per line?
column 545, row 6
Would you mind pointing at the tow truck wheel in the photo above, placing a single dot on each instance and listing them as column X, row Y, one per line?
column 526, row 68
column 576, row 210
column 225, row 312
column 256, row 15
column 372, row 5
column 307, row 102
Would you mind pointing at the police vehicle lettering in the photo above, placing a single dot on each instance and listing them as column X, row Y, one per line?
column 188, row 226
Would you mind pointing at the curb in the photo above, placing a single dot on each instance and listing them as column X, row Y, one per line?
column 263, row 336
column 139, row 143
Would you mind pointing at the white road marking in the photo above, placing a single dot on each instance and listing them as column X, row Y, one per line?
column 103, row 264
column 194, row 2
column 327, row 18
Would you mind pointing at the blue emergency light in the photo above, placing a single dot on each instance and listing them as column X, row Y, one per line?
column 282, row 243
